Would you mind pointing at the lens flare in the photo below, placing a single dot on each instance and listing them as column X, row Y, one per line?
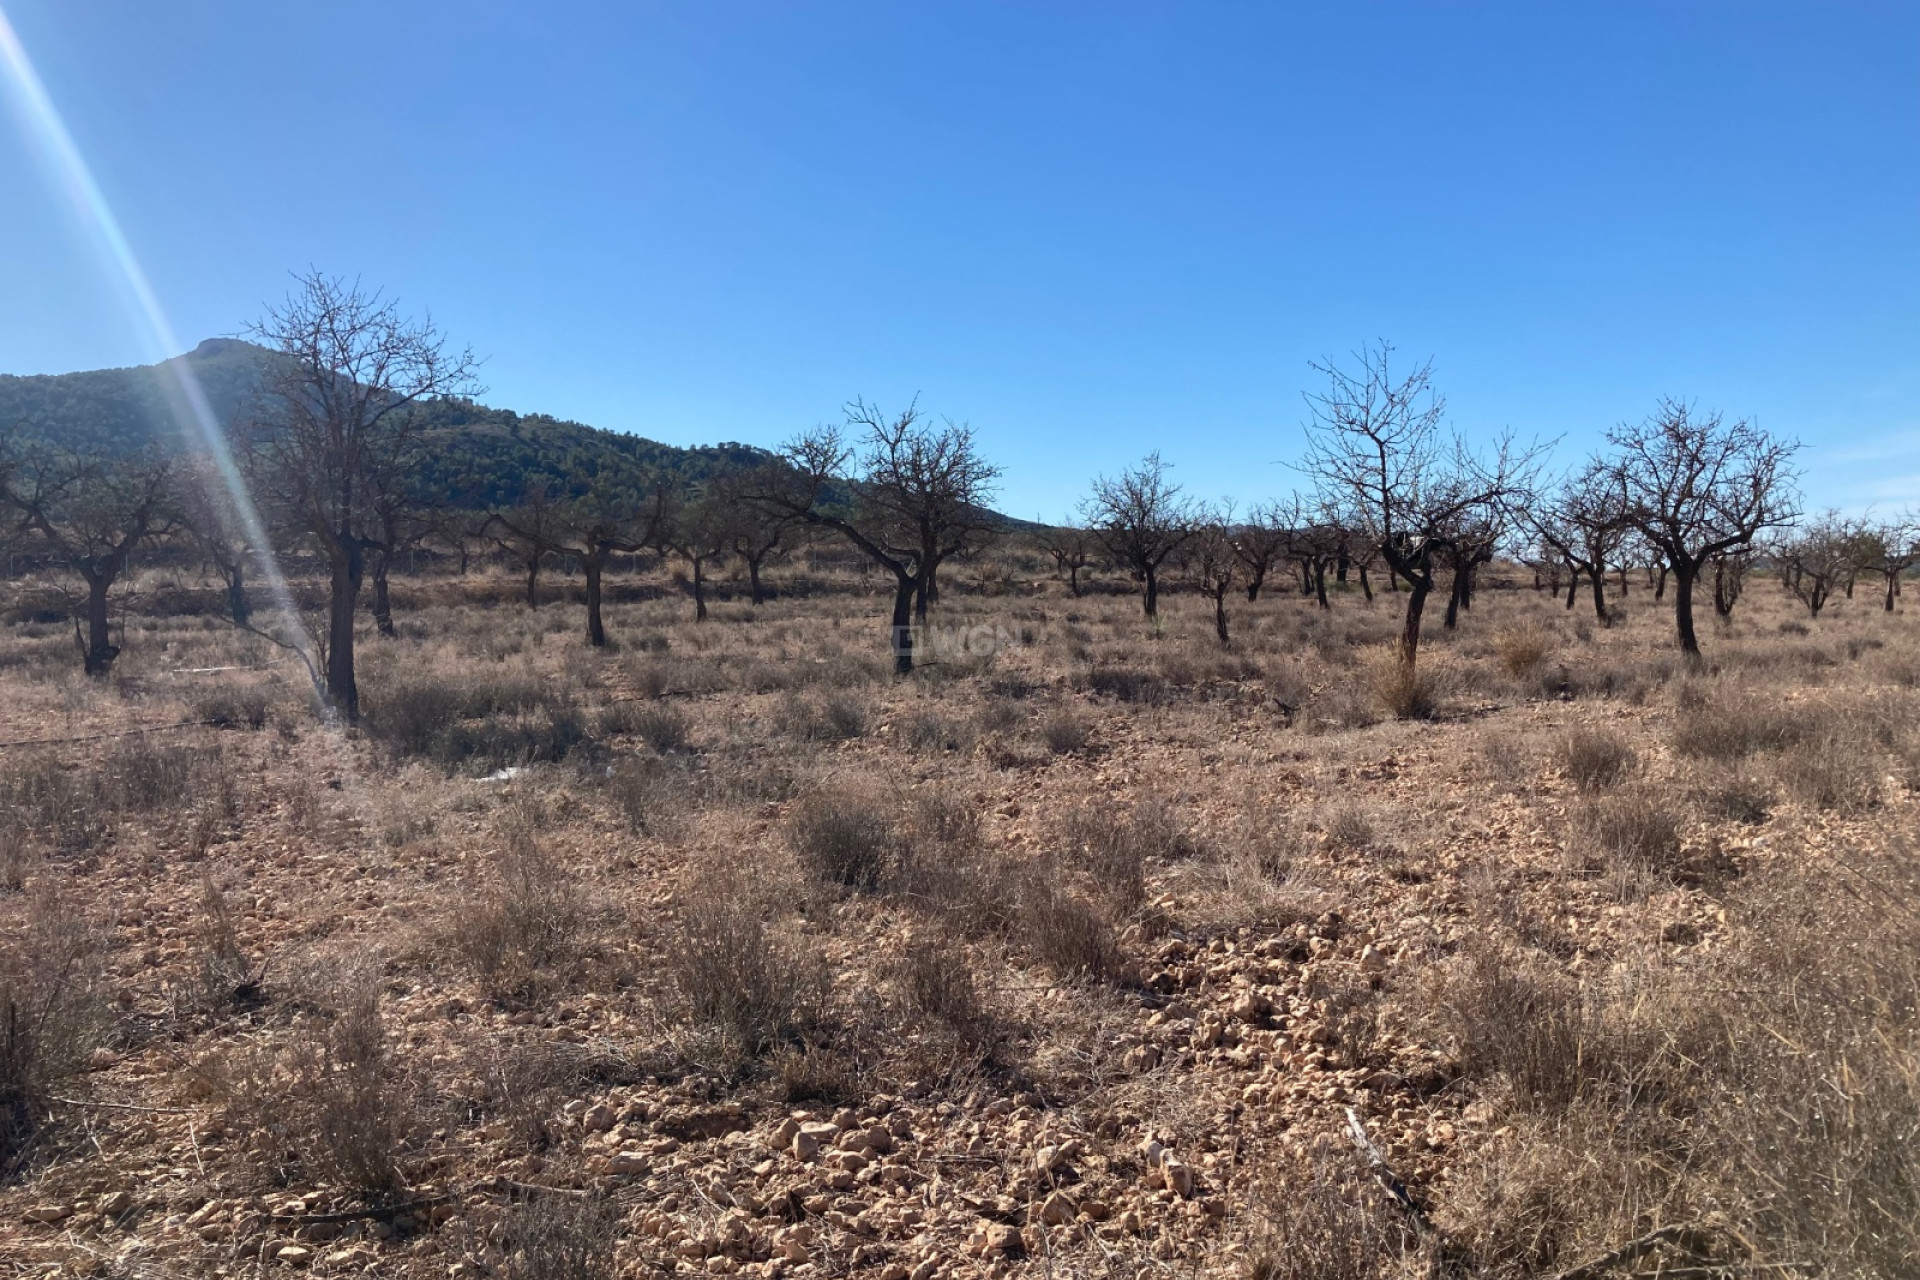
column 193, row 415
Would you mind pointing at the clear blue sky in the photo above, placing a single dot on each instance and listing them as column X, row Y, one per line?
column 1091, row 230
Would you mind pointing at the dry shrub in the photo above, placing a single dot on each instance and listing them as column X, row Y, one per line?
column 558, row 1236
column 53, row 1015
column 653, row 794
column 486, row 721
column 1403, row 689
column 1069, row 935
column 846, row 835
column 1734, row 793
column 661, row 725
column 1065, row 731
column 332, row 1103
column 935, row 978
column 1832, row 771
column 1126, row 684
column 1731, row 724
column 1351, row 828
column 1595, row 759
column 233, row 708
column 1770, row 1091
column 1114, row 847
column 1331, row 1224
column 1633, row 832
column 739, row 972
column 830, row 717
column 227, row 978
column 945, row 868
column 1523, row 648
column 927, row 730
column 513, row 931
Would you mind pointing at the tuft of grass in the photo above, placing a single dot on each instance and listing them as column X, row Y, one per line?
column 845, row 835
column 1596, row 759
column 736, row 972
column 1523, row 649
column 53, row 1015
column 1401, row 688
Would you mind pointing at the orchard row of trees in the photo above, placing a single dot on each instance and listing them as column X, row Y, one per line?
column 330, row 466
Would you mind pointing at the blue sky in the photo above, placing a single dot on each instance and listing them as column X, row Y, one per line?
column 1091, row 230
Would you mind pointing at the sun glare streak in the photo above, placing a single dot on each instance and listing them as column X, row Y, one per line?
column 194, row 416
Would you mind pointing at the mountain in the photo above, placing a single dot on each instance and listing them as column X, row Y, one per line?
column 477, row 455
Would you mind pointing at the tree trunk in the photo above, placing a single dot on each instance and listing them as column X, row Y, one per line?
column 1153, row 592
column 348, row 567
column 903, row 594
column 699, row 589
column 920, row 598
column 382, row 606
column 753, row 579
column 1893, row 583
column 1660, row 587
column 1623, row 580
column 1455, row 597
column 1220, row 616
column 1366, row 587
column 1683, row 575
column 1258, row 580
column 1573, row 588
column 1073, row 582
column 533, row 583
column 1320, row 583
column 592, row 563
column 1600, row 596
column 1416, row 603
column 237, row 596
column 99, row 651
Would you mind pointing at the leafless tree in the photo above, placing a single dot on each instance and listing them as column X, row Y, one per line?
column 1694, row 485
column 1141, row 518
column 1583, row 524
column 616, row 508
column 701, row 532
column 1729, row 577
column 1817, row 558
column 1375, row 442
column 1260, row 540
column 1889, row 548
column 907, row 495
column 221, row 541
column 92, row 512
column 339, row 430
column 756, row 532
column 1071, row 547
column 1214, row 562
column 530, row 531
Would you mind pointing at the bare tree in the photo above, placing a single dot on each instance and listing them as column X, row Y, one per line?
column 1260, row 540
column 91, row 512
column 340, row 430
column 1817, row 559
column 1889, row 548
column 221, row 541
column 1375, row 442
column 1141, row 518
column 701, row 532
column 615, row 508
column 756, row 532
column 905, row 494
column 1694, row 486
column 1213, row 561
column 1729, row 578
column 1584, row 525
column 530, row 532
column 1071, row 547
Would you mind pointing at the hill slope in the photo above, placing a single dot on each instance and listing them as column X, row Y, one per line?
column 479, row 455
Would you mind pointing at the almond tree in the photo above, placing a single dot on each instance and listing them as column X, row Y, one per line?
column 701, row 533
column 1071, row 547
column 1584, row 524
column 1141, row 518
column 1817, row 559
column 1890, row 548
column 1375, row 444
column 1260, row 541
column 529, row 531
column 1213, row 562
column 904, row 493
column 1694, row 486
column 337, row 430
column 756, row 532
column 91, row 512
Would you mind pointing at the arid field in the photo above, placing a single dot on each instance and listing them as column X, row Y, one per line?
column 725, row 950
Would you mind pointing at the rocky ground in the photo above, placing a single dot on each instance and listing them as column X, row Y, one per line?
column 1277, row 979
